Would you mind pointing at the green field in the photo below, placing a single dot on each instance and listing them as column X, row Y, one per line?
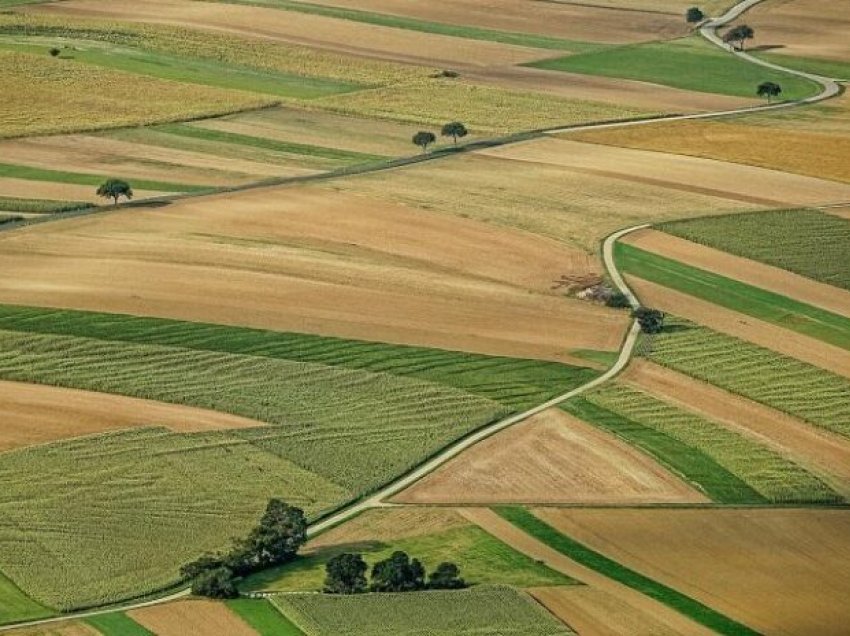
column 752, row 473
column 40, row 206
column 807, row 242
column 784, row 383
column 827, row 68
column 474, row 612
column 596, row 561
column 15, row 606
column 690, row 63
column 117, row 624
column 753, row 301
column 263, row 617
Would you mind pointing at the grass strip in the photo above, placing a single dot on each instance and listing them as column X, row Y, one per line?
column 15, row 606
column 41, row 206
column 117, row 624
column 580, row 553
column 691, row 463
column 209, row 134
column 30, row 173
column 732, row 294
column 425, row 26
column 264, row 617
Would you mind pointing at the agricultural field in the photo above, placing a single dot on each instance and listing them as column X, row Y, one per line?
column 191, row 618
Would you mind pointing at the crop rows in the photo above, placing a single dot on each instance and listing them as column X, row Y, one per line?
column 481, row 610
column 36, row 206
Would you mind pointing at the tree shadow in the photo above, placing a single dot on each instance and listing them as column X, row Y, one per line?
column 764, row 47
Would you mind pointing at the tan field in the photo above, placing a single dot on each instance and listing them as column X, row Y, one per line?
column 508, row 533
column 702, row 176
column 64, row 628
column 36, row 414
column 816, row 154
column 809, row 28
column 776, row 571
column 844, row 213
column 592, row 612
column 677, row 7
column 316, row 261
column 191, row 618
column 741, row 326
column 27, row 189
column 551, row 458
column 817, row 450
column 748, row 271
column 572, row 22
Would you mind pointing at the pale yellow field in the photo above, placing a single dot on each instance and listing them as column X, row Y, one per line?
column 65, row 628
column 191, row 618
column 809, row 28
column 27, row 189
column 677, row 7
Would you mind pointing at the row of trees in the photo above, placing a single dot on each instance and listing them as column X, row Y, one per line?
column 346, row 574
column 456, row 130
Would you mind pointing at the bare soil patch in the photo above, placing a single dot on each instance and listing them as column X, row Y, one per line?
column 551, row 458
column 191, row 618
column 26, row 189
column 741, row 326
column 809, row 28
column 774, row 279
column 777, row 571
column 35, row 414
column 824, row 454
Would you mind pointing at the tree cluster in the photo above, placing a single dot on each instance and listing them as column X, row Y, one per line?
column 455, row 129
column 650, row 320
column 281, row 532
column 346, row 574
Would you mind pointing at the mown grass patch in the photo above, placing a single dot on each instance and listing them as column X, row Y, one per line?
column 811, row 243
column 41, row 206
column 747, row 299
column 691, row 608
column 690, row 64
column 835, row 69
column 784, row 383
column 480, row 610
column 264, row 617
column 117, row 624
column 15, row 606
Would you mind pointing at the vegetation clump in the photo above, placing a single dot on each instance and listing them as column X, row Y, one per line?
column 455, row 130
column 423, row 139
column 694, row 15
column 346, row 574
column 739, row 35
column 650, row 320
column 769, row 90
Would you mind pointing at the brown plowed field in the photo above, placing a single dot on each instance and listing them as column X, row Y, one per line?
column 26, row 189
column 774, row 279
column 65, row 628
column 191, row 618
column 703, row 176
column 820, row 452
column 528, row 545
column 741, row 326
column 777, row 571
column 35, row 414
column 592, row 612
column 315, row 261
column 551, row 458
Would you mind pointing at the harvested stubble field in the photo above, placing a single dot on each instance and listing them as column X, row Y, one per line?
column 14, row 188
column 552, row 458
column 481, row 610
column 191, row 618
column 674, row 7
column 66, row 628
column 777, row 571
column 433, row 535
column 359, row 267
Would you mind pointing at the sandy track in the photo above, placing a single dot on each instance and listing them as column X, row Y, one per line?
column 551, row 458
column 820, row 452
column 774, row 279
column 741, row 326
column 315, row 261
column 191, row 618
column 592, row 612
column 26, row 189
column 522, row 542
column 35, row 414
column 705, row 176
column 778, row 571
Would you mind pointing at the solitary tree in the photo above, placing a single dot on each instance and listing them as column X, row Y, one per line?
column 446, row 577
column 345, row 574
column 739, row 34
column 115, row 189
column 424, row 139
column 215, row 583
column 398, row 574
column 694, row 15
column 54, row 52
column 454, row 130
column 650, row 320
column 769, row 90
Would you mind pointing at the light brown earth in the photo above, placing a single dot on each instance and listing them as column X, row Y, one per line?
column 592, row 612
column 774, row 279
column 844, row 213
column 817, row 450
column 35, row 414
column 191, row 618
column 64, row 628
column 676, row 7
column 551, row 458
column 779, row 571
column 741, row 326
column 26, row 189
column 315, row 261
column 704, row 176
column 508, row 533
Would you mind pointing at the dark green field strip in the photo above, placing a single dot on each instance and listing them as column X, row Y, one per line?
column 117, row 624
column 580, row 553
column 425, row 26
column 15, row 606
column 691, row 463
column 807, row 242
column 41, row 206
column 264, row 617
column 690, row 64
column 753, row 301
column 827, row 68
column 79, row 178
column 514, row 382
column 209, row 134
